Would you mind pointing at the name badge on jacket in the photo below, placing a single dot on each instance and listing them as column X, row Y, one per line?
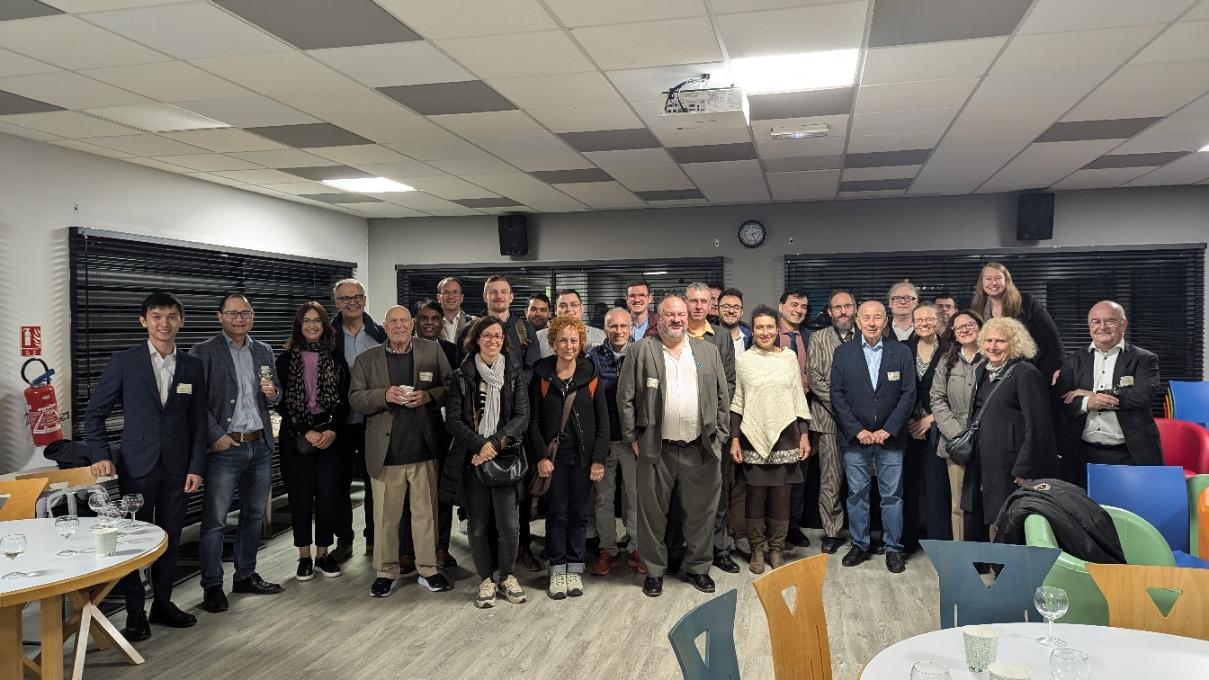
column 893, row 376
column 184, row 388
column 1126, row 381
column 652, row 382
column 426, row 375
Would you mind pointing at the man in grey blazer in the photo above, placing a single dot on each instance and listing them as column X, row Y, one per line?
column 674, row 406
column 243, row 385
column 400, row 386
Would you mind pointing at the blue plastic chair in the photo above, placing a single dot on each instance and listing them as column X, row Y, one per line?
column 1156, row 493
column 715, row 618
column 1189, row 401
column 965, row 598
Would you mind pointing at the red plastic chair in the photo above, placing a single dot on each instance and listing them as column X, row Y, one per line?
column 1184, row 444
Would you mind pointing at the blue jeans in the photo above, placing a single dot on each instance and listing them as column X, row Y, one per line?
column 858, row 467
column 244, row 467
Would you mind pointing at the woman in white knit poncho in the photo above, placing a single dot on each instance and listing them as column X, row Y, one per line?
column 768, row 416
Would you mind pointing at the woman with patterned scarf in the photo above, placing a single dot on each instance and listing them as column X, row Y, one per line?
column 313, row 410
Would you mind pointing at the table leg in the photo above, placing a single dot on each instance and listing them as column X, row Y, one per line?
column 11, row 657
column 52, row 637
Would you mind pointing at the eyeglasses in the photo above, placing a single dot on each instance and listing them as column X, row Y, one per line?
column 903, row 298
column 450, row 293
column 245, row 314
column 966, row 327
column 925, row 322
column 345, row 299
column 312, row 322
column 493, row 337
column 730, row 308
column 1107, row 323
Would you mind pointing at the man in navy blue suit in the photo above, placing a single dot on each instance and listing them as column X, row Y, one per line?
column 873, row 392
column 162, row 392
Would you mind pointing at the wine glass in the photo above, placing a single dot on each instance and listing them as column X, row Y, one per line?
column 66, row 526
column 112, row 515
column 929, row 670
column 1052, row 603
column 97, row 500
column 131, row 503
column 11, row 546
column 1068, row 663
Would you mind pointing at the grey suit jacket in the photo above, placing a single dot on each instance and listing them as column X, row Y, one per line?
column 367, row 394
column 222, row 388
column 819, row 353
column 641, row 386
column 725, row 345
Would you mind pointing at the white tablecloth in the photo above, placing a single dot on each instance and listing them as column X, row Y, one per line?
column 43, row 543
column 1115, row 653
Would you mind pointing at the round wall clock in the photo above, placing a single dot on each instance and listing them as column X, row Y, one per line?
column 752, row 234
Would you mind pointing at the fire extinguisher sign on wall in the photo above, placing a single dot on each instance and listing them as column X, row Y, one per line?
column 31, row 341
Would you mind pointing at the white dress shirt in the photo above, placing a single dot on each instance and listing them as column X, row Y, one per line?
column 1102, row 427
column 449, row 329
column 680, row 418
column 164, row 369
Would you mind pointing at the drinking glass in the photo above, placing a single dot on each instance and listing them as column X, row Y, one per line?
column 97, row 500
column 1052, row 603
column 131, row 503
column 929, row 670
column 66, row 526
column 1068, row 663
column 111, row 514
column 11, row 546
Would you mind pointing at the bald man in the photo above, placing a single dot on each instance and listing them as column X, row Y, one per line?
column 400, row 387
column 1106, row 391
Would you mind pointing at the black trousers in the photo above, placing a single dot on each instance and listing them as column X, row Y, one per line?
column 352, row 462
column 313, row 487
column 444, row 527
column 163, row 505
column 486, row 507
column 1100, row 454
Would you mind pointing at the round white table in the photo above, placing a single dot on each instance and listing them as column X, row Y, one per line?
column 1115, row 653
column 83, row 577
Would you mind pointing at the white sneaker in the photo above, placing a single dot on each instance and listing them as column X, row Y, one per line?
column 510, row 588
column 486, row 598
column 558, row 586
column 575, row 584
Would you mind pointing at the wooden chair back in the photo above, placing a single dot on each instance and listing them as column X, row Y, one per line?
column 797, row 624
column 715, row 618
column 23, row 497
column 1131, row 604
column 77, row 476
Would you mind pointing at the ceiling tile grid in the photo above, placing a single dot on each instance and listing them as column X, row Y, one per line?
column 557, row 105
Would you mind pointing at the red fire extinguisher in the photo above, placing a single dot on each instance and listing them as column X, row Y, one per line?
column 41, row 406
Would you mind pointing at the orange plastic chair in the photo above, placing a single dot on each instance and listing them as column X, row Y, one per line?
column 1202, row 528
column 792, row 596
column 1132, row 591
column 23, row 497
column 77, row 476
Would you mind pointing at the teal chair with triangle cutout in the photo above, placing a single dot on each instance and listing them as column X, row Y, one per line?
column 716, row 619
column 965, row 597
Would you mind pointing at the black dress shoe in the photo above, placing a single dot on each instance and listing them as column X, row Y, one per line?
column 701, row 582
column 855, row 556
column 170, row 615
column 214, row 601
column 255, row 585
column 830, row 545
column 652, row 586
column 137, row 629
column 896, row 562
column 343, row 551
column 877, row 548
column 725, row 563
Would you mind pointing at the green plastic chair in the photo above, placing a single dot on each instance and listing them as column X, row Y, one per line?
column 1142, row 543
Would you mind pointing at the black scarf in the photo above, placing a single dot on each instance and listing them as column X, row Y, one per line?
column 327, row 395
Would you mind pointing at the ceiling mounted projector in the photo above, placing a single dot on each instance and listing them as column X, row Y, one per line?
column 714, row 107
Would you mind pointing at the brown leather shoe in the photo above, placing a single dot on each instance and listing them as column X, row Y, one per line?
column 604, row 563
column 407, row 564
column 528, row 561
column 635, row 562
column 445, row 560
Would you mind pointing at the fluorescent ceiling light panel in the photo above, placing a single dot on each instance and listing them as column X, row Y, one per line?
column 368, row 185
column 157, row 118
column 800, row 131
column 794, row 72
column 1205, row 148
column 658, row 273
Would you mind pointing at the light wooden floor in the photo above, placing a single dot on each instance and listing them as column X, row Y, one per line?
column 331, row 628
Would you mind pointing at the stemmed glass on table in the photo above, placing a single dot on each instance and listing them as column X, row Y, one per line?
column 66, row 526
column 11, row 546
column 131, row 503
column 1051, row 602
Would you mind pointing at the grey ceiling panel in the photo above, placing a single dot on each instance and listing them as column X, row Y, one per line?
column 572, row 176
column 310, row 135
column 1135, row 160
column 14, row 103
column 470, row 96
column 1122, row 128
column 803, row 164
column 907, row 22
column 833, row 102
column 342, row 198
column 741, row 151
column 611, row 140
column 314, row 24
column 25, row 9
column 327, row 172
column 881, row 159
column 669, row 195
column 875, row 185
column 487, row 202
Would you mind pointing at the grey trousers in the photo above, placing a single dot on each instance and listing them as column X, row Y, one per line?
column 831, row 479
column 696, row 475
column 602, row 519
column 721, row 544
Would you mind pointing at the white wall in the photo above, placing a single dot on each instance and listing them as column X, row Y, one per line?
column 40, row 187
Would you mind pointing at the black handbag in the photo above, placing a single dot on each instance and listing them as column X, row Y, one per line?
column 317, row 422
column 961, row 447
column 507, row 468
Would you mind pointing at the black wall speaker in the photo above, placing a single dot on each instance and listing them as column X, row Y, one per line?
column 514, row 235
column 1034, row 216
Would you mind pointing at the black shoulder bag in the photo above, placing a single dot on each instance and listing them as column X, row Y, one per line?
column 961, row 447
column 497, row 472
